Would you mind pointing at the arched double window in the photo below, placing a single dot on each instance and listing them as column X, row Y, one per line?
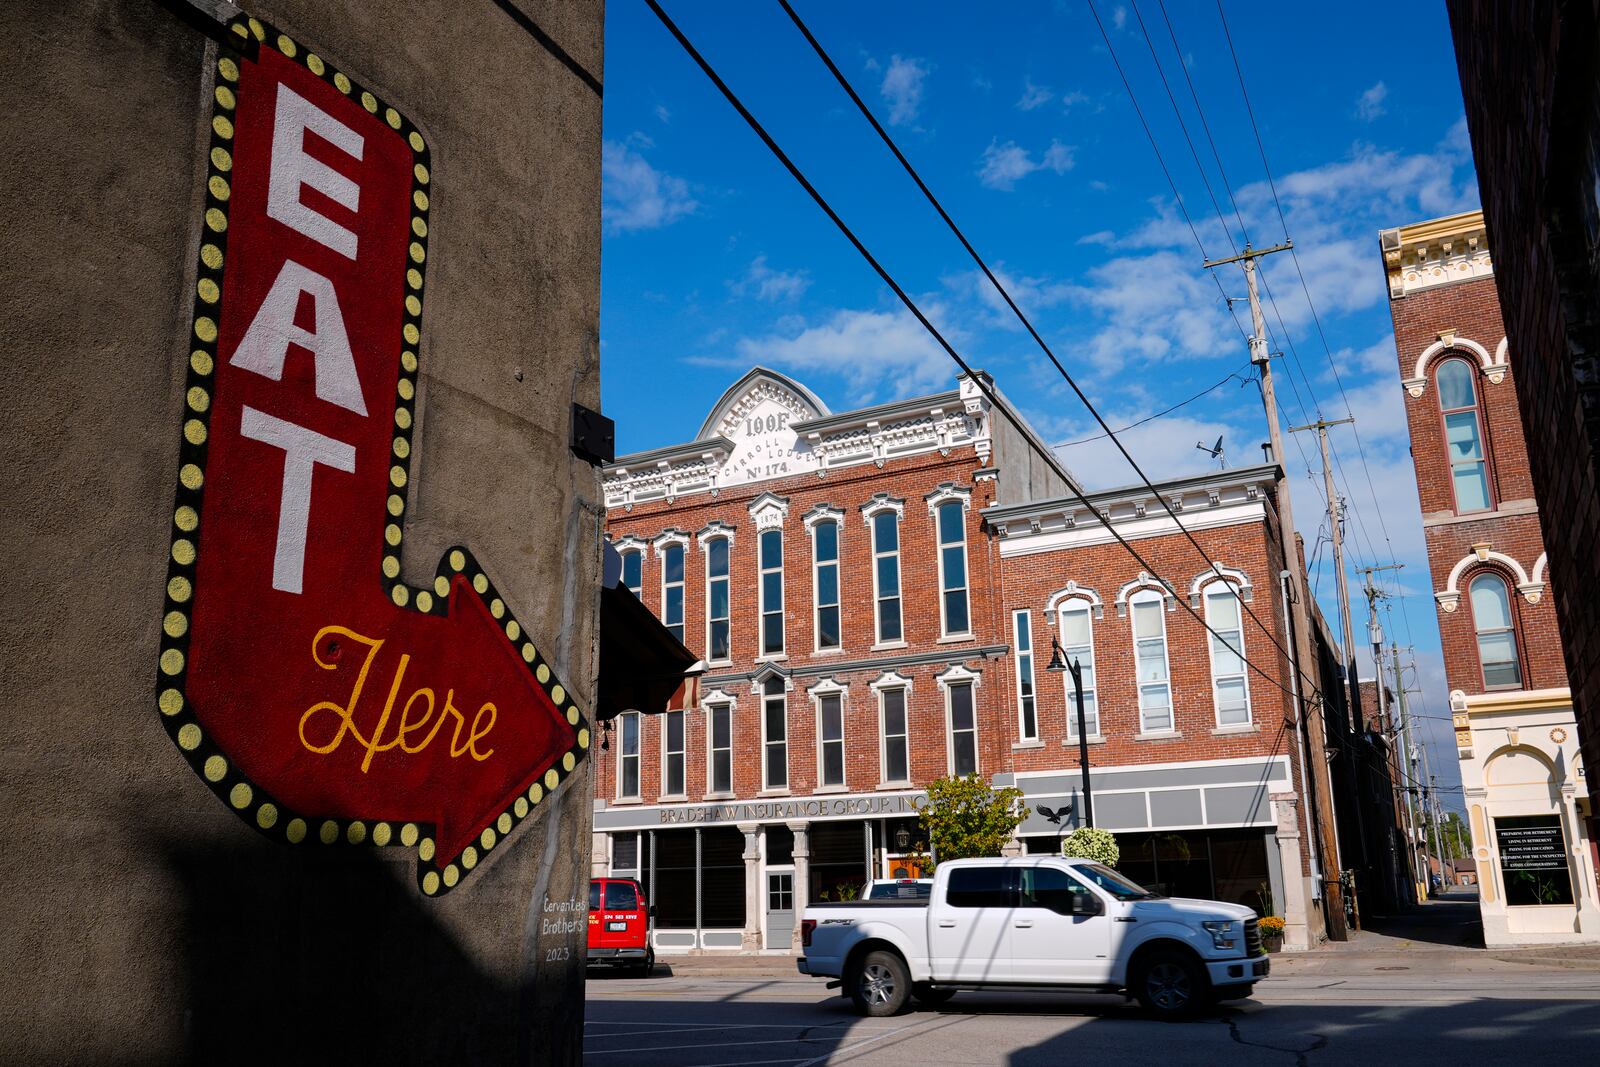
column 1494, row 622
column 1463, row 435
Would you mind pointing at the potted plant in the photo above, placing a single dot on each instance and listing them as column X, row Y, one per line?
column 1272, row 932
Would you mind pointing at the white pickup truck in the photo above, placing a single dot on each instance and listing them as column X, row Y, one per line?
column 1034, row 921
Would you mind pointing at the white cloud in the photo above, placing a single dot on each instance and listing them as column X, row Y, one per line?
column 1099, row 237
column 1034, row 96
column 1006, row 164
column 869, row 350
column 771, row 285
column 1370, row 104
column 636, row 196
column 662, row 113
column 1119, row 17
column 1072, row 99
column 1165, row 448
column 902, row 88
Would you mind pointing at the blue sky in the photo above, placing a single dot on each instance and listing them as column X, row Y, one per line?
column 714, row 259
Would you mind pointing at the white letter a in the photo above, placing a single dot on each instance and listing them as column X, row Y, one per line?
column 266, row 342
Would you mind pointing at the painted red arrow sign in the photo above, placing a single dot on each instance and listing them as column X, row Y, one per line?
column 319, row 695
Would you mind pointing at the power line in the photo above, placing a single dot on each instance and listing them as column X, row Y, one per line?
column 933, row 331
column 1243, row 380
column 894, row 148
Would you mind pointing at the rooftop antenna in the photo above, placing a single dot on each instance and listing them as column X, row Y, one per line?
column 1214, row 451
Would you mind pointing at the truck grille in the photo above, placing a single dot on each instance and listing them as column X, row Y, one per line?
column 1252, row 937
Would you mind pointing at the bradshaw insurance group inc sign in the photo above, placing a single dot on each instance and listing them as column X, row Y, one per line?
column 318, row 694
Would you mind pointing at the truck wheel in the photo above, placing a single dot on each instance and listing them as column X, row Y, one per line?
column 929, row 996
column 1169, row 985
column 881, row 984
column 649, row 963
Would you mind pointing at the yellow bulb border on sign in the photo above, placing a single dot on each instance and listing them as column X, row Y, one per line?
column 258, row 808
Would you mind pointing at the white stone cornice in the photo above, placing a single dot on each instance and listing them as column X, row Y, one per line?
column 1219, row 573
column 667, row 538
column 769, row 511
column 958, row 673
column 717, row 698
column 1073, row 591
column 1145, row 581
column 1451, row 342
column 822, row 513
column 946, row 492
column 1532, row 589
column 890, row 680
column 883, row 502
column 714, row 528
column 629, row 543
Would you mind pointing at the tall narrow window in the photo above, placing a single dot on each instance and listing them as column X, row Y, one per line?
column 775, row 735
column 633, row 571
column 1229, row 685
column 1463, row 435
column 1150, row 654
column 886, row 574
column 825, row 546
column 963, row 730
column 628, row 755
column 1497, row 633
column 717, row 599
column 772, row 593
column 672, row 589
column 672, row 754
column 896, row 753
column 1027, row 714
column 953, row 569
column 719, row 730
column 1077, row 643
column 830, row 734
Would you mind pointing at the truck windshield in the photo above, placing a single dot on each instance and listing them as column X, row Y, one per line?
column 1114, row 883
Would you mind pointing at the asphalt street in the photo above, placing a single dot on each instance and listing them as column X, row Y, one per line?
column 1373, row 1015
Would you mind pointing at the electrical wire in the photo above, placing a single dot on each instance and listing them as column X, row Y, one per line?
column 933, row 331
column 1005, row 294
column 1244, row 379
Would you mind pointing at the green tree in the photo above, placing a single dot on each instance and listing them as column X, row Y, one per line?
column 967, row 817
column 1453, row 835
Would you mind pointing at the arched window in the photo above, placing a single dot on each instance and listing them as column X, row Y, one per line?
column 1150, row 654
column 1463, row 435
column 1497, row 632
column 1230, row 687
column 1077, row 643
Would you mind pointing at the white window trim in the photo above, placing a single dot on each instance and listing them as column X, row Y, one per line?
column 629, row 543
column 761, row 600
column 1033, row 670
column 665, row 541
column 966, row 566
column 814, row 518
column 955, row 675
column 684, row 793
column 1141, row 583
column 900, row 682
column 724, row 533
column 880, row 503
column 1072, row 590
column 759, row 685
column 1163, row 594
column 621, row 755
column 1094, row 611
column 1218, row 573
column 1211, row 655
column 825, row 688
column 709, row 703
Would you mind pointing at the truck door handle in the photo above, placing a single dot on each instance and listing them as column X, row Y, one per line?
column 947, row 923
column 1024, row 924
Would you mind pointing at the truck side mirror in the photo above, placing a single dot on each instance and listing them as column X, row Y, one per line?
column 1086, row 904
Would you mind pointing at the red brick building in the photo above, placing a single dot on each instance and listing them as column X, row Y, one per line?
column 875, row 594
column 1515, row 730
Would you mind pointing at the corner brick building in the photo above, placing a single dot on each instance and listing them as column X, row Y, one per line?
column 875, row 594
column 1516, row 735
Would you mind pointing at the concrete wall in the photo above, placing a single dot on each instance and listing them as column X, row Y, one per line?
column 144, row 920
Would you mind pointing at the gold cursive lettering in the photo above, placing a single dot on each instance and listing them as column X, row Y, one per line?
column 405, row 734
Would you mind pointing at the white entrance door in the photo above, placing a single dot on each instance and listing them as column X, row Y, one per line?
column 1048, row 942
column 967, row 935
column 780, row 908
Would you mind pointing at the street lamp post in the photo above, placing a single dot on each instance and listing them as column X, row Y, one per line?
column 1058, row 664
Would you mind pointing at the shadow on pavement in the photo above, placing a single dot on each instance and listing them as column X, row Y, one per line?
column 1452, row 921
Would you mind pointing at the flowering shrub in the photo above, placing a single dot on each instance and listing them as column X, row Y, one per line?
column 1092, row 843
column 1272, row 924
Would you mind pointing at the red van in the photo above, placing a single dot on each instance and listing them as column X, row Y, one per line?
column 619, row 925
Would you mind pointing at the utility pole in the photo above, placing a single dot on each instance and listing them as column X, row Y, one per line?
column 1375, row 635
column 1328, row 836
column 1419, row 886
column 1335, row 518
